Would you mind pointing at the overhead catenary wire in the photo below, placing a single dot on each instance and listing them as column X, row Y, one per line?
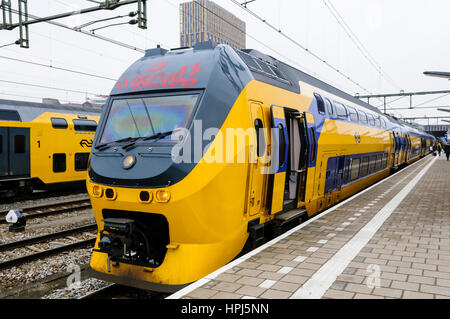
column 58, row 68
column 49, row 87
column 258, row 41
column 357, row 42
column 301, row 46
column 100, row 37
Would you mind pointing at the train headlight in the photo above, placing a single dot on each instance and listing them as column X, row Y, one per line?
column 97, row 191
column 110, row 194
column 129, row 161
column 145, row 197
column 162, row 196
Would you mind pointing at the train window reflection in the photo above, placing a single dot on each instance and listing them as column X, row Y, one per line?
column 141, row 117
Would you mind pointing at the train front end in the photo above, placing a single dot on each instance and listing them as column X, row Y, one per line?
column 166, row 214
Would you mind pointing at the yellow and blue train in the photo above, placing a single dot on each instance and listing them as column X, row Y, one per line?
column 43, row 145
column 201, row 151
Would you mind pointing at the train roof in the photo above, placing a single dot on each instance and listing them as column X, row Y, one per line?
column 272, row 71
column 30, row 110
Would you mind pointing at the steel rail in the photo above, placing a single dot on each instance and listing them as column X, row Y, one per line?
column 40, row 239
column 51, row 209
column 46, row 253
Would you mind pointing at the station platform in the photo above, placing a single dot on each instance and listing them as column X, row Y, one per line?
column 391, row 240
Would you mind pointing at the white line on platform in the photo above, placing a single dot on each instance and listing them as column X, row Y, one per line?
column 186, row 290
column 319, row 283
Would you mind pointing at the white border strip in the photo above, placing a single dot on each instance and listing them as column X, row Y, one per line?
column 186, row 290
column 324, row 277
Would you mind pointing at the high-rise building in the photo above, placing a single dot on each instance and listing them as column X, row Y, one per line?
column 203, row 20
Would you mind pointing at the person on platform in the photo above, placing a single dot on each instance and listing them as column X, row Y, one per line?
column 439, row 148
column 447, row 150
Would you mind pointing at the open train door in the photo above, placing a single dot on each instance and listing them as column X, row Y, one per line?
column 280, row 146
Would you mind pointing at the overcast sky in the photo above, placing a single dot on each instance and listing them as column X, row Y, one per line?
column 404, row 38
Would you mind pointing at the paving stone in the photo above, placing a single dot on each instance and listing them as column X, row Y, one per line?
column 387, row 292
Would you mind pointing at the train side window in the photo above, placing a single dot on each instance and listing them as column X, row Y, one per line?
column 353, row 114
column 81, row 161
column 59, row 162
column 383, row 123
column 372, row 165
column 59, row 123
column 385, row 160
column 85, row 125
column 371, row 119
column 329, row 107
column 362, row 117
column 260, row 141
column 355, row 168
column 378, row 122
column 19, row 144
column 1, row 144
column 320, row 104
column 365, row 166
column 341, row 111
column 282, row 144
column 313, row 146
column 9, row 115
column 347, row 170
column 379, row 162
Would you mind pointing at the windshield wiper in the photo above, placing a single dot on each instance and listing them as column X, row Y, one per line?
column 155, row 137
column 126, row 139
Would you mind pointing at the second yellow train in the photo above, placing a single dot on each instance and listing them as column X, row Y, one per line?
column 44, row 146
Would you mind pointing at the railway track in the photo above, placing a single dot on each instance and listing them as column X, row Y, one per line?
column 44, row 210
column 25, row 243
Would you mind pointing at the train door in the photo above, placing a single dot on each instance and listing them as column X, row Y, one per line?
column 408, row 140
column 4, row 167
column 330, row 179
column 280, row 142
column 257, row 174
column 289, row 159
column 19, row 151
column 339, row 176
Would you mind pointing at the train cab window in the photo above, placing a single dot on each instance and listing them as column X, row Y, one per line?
column 362, row 117
column 347, row 170
column 365, row 166
column 341, row 111
column 85, row 125
column 371, row 119
column 59, row 123
column 329, row 107
column 353, row 114
column 59, row 162
column 355, row 168
column 19, row 144
column 81, row 161
column 320, row 104
column 9, row 115
column 372, row 164
column 260, row 141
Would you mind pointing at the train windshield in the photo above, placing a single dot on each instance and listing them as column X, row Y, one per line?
column 147, row 116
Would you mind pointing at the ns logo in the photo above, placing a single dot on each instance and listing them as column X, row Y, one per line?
column 357, row 138
column 86, row 143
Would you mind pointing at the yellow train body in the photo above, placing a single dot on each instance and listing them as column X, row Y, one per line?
column 210, row 210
